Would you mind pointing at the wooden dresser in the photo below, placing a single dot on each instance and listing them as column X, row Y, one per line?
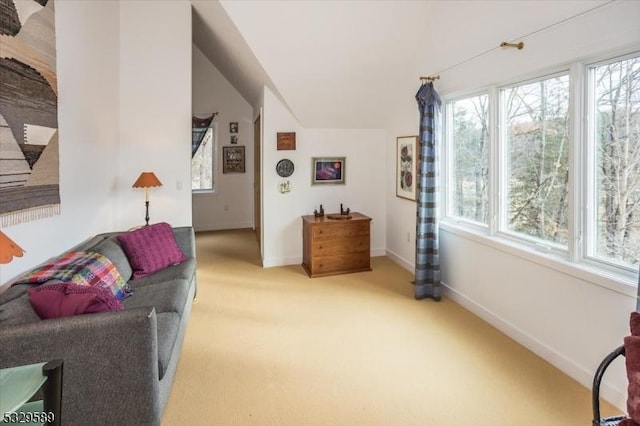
column 332, row 247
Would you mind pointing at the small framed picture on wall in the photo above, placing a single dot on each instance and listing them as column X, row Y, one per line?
column 232, row 159
column 328, row 170
column 233, row 127
column 406, row 167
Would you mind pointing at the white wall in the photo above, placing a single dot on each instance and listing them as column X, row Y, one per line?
column 155, row 110
column 572, row 321
column 87, row 70
column 365, row 177
column 124, row 106
column 231, row 205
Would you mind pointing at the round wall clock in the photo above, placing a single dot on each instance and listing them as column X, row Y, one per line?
column 284, row 168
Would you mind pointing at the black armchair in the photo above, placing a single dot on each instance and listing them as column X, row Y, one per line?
column 595, row 392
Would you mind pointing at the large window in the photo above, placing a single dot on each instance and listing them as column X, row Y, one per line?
column 557, row 166
column 469, row 138
column 615, row 108
column 203, row 162
column 536, row 141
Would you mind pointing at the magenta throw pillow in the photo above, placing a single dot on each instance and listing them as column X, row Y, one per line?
column 634, row 323
column 632, row 362
column 68, row 299
column 151, row 249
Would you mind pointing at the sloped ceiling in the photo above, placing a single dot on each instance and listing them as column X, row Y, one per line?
column 346, row 64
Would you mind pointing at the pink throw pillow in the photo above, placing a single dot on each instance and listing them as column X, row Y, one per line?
column 151, row 249
column 68, row 299
column 632, row 361
column 634, row 323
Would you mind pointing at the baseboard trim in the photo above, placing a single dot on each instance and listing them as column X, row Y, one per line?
column 409, row 266
column 224, row 227
column 284, row 261
column 378, row 252
column 612, row 394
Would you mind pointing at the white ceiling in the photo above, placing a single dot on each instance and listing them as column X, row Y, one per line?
column 344, row 64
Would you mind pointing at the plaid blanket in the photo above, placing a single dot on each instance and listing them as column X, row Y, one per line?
column 82, row 268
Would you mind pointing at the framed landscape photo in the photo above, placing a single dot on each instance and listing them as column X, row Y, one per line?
column 406, row 167
column 233, row 159
column 328, row 170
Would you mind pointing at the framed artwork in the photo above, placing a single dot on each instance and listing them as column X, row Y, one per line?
column 286, row 141
column 406, row 167
column 233, row 159
column 234, row 139
column 328, row 170
column 233, row 127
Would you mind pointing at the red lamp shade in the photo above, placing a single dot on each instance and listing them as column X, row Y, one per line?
column 8, row 249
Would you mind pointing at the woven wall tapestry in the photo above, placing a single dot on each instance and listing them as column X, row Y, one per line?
column 29, row 159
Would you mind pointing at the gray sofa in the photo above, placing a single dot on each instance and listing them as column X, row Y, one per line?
column 119, row 366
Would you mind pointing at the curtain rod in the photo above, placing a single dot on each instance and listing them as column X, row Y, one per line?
column 519, row 45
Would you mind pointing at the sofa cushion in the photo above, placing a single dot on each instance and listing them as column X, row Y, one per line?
column 168, row 326
column 13, row 292
column 151, row 248
column 68, row 299
column 112, row 250
column 183, row 271
column 168, row 296
column 18, row 311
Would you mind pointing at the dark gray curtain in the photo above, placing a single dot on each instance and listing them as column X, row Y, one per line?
column 199, row 128
column 427, row 273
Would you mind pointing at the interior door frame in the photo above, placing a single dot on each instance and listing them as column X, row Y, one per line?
column 257, row 180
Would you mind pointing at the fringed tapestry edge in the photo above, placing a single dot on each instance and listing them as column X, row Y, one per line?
column 28, row 215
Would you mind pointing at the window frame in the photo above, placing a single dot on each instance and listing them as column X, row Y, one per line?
column 589, row 197
column 572, row 259
column 449, row 159
column 501, row 144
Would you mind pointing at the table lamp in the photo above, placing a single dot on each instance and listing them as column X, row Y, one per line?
column 8, row 249
column 147, row 180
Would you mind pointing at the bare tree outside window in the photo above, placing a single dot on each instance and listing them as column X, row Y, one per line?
column 537, row 147
column 617, row 138
column 470, row 139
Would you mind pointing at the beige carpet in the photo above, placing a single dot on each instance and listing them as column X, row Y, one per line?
column 274, row 347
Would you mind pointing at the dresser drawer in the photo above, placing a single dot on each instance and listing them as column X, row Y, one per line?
column 334, row 246
column 339, row 229
column 340, row 263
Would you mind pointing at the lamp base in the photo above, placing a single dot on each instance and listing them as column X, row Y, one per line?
column 146, row 217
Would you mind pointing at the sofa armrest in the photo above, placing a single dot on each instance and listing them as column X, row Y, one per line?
column 110, row 363
column 185, row 237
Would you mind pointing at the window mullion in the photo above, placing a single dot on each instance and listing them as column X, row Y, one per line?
column 496, row 168
column 446, row 163
column 577, row 177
